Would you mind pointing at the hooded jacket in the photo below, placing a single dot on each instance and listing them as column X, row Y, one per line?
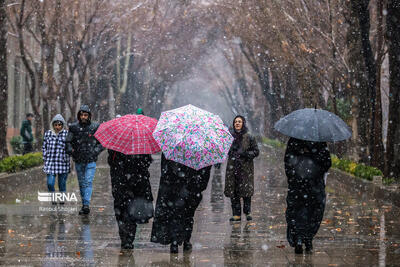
column 56, row 160
column 81, row 143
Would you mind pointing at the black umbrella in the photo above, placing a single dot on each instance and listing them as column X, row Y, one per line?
column 313, row 125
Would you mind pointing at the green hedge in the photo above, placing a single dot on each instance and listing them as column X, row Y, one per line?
column 16, row 144
column 272, row 142
column 357, row 169
column 18, row 163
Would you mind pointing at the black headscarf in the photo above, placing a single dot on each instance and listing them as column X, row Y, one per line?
column 238, row 135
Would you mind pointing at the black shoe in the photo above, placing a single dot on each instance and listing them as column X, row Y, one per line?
column 248, row 217
column 62, row 203
column 174, row 249
column 187, row 246
column 235, row 219
column 127, row 246
column 85, row 210
column 298, row 248
column 309, row 246
column 53, row 203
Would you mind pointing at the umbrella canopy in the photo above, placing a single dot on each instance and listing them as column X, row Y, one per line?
column 193, row 137
column 313, row 125
column 129, row 134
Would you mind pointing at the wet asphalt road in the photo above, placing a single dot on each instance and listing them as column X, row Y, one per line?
column 356, row 230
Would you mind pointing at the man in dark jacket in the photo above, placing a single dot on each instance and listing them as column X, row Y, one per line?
column 26, row 133
column 84, row 148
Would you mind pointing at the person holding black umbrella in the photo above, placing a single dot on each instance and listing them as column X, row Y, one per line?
column 307, row 160
column 305, row 166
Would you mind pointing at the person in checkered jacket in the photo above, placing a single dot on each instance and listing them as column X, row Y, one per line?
column 56, row 160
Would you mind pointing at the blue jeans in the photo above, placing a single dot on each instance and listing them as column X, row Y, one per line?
column 62, row 182
column 85, row 172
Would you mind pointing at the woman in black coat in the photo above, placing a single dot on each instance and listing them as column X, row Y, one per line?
column 239, row 177
column 133, row 200
column 179, row 195
column 305, row 165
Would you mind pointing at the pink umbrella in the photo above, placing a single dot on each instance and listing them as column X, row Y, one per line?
column 129, row 134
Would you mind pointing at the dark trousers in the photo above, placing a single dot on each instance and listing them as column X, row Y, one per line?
column 237, row 207
column 126, row 228
column 28, row 148
column 122, row 198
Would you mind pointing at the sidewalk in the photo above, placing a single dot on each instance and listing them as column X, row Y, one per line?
column 356, row 229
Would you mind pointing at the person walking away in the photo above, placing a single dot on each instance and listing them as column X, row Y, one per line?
column 84, row 149
column 26, row 133
column 131, row 190
column 139, row 111
column 305, row 166
column 239, row 178
column 56, row 160
column 179, row 195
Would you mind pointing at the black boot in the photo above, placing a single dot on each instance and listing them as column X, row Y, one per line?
column 298, row 248
column 187, row 246
column 174, row 248
column 309, row 246
column 85, row 210
column 127, row 245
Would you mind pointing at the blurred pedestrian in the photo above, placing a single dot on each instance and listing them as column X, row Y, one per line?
column 84, row 148
column 131, row 189
column 239, row 179
column 56, row 160
column 306, row 163
column 26, row 133
column 179, row 195
column 139, row 111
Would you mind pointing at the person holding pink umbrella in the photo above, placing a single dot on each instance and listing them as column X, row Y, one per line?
column 192, row 141
column 130, row 144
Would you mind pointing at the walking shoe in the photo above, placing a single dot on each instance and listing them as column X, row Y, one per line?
column 174, row 248
column 53, row 203
column 85, row 210
column 187, row 246
column 62, row 202
column 298, row 248
column 127, row 246
column 309, row 246
column 248, row 217
column 235, row 219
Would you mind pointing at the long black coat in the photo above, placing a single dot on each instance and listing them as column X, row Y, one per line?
column 305, row 165
column 179, row 195
column 129, row 180
column 239, row 178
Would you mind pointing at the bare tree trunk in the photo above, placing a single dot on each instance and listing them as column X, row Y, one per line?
column 378, row 152
column 122, row 84
column 360, row 9
column 3, row 80
column 359, row 82
column 393, row 138
column 111, row 101
column 45, row 114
